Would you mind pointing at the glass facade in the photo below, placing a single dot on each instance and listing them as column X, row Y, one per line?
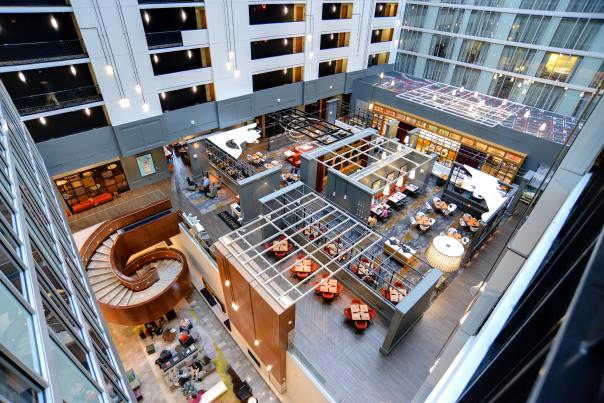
column 45, row 304
column 548, row 57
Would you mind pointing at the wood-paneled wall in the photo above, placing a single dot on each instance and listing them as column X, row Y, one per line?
column 257, row 316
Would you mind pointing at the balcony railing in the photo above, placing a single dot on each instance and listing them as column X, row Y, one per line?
column 167, row 39
column 40, row 52
column 52, row 101
column 167, row 1
column 34, row 3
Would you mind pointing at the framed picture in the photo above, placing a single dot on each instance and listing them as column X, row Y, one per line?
column 145, row 165
column 390, row 177
column 376, row 184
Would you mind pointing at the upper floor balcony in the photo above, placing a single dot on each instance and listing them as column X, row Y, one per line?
column 385, row 10
column 16, row 54
column 51, row 101
column 335, row 40
column 27, row 38
column 164, row 26
column 337, row 11
column 181, row 60
column 382, row 35
column 275, row 13
column 276, row 47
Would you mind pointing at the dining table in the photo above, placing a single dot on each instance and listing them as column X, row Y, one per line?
column 329, row 287
column 359, row 312
column 312, row 231
column 280, row 246
column 441, row 205
column 397, row 199
column 455, row 235
column 470, row 221
column 411, row 188
column 395, row 294
column 422, row 220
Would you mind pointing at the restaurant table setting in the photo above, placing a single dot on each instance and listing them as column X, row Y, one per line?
column 303, row 267
column 397, row 199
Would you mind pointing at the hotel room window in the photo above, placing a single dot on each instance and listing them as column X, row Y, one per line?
column 558, row 66
column 576, row 33
column 415, row 15
column 449, row 19
column 528, row 28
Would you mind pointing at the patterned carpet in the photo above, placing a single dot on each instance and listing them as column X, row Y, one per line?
column 205, row 204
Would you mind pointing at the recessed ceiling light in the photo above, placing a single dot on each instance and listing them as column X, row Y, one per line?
column 109, row 69
column 183, row 15
column 87, row 111
column 54, row 22
column 145, row 107
column 21, row 76
column 43, row 120
column 73, row 70
column 285, row 42
column 334, row 8
column 155, row 59
column 189, row 54
column 236, row 73
column 285, row 10
column 194, row 88
column 163, row 95
column 147, row 17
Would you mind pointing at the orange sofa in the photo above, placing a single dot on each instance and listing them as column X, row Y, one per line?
column 92, row 202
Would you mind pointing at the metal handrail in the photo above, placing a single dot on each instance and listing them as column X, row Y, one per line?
column 12, row 54
column 50, row 101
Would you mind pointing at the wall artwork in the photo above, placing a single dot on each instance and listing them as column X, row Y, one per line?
column 145, row 165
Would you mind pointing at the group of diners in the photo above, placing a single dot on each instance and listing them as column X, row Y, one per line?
column 423, row 222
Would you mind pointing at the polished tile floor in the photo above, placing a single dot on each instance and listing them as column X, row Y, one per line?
column 214, row 339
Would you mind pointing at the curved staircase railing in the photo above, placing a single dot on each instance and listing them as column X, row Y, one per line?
column 107, row 228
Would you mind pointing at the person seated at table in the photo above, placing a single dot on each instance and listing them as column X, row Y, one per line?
column 185, row 325
column 205, row 184
column 191, row 185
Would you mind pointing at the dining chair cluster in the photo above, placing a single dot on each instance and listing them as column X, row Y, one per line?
column 360, row 315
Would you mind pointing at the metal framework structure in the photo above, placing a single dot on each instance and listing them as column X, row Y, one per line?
column 295, row 120
column 376, row 152
column 295, row 209
column 480, row 108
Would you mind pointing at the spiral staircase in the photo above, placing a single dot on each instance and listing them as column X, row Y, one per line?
column 131, row 290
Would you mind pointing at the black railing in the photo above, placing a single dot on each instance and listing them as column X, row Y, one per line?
column 167, row 39
column 167, row 1
column 39, row 52
column 57, row 100
column 34, row 2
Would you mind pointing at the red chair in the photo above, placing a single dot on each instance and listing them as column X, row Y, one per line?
column 302, row 275
column 385, row 293
column 328, row 297
column 356, row 301
column 340, row 288
column 360, row 326
column 347, row 314
column 372, row 313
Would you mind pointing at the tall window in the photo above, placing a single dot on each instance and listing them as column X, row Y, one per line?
column 415, row 15
column 557, row 66
column 435, row 70
column 586, row 6
column 528, row 28
column 410, row 40
column 516, row 59
column 539, row 4
column 576, row 33
column 449, row 19
column 474, row 52
column 505, row 87
column 465, row 77
column 441, row 46
column 544, row 96
column 405, row 63
column 482, row 23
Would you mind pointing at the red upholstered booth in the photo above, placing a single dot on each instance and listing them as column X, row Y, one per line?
column 92, row 202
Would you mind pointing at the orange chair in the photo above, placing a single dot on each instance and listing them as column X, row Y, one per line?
column 328, row 297
column 372, row 313
column 360, row 326
column 347, row 314
column 385, row 293
column 356, row 301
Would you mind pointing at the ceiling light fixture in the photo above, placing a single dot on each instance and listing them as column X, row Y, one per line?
column 54, row 22
column 145, row 107
column 183, row 15
column 138, row 89
column 236, row 73
column 284, row 71
column 285, row 10
column 109, row 69
column 43, row 120
column 231, row 54
column 189, row 54
column 163, row 95
column 285, row 42
column 227, row 283
column 21, row 76
column 256, row 342
column 194, row 88
column 146, row 17
column 334, row 8
column 124, row 102
column 73, row 70
column 87, row 111
column 331, row 37
column 229, row 66
column 155, row 59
